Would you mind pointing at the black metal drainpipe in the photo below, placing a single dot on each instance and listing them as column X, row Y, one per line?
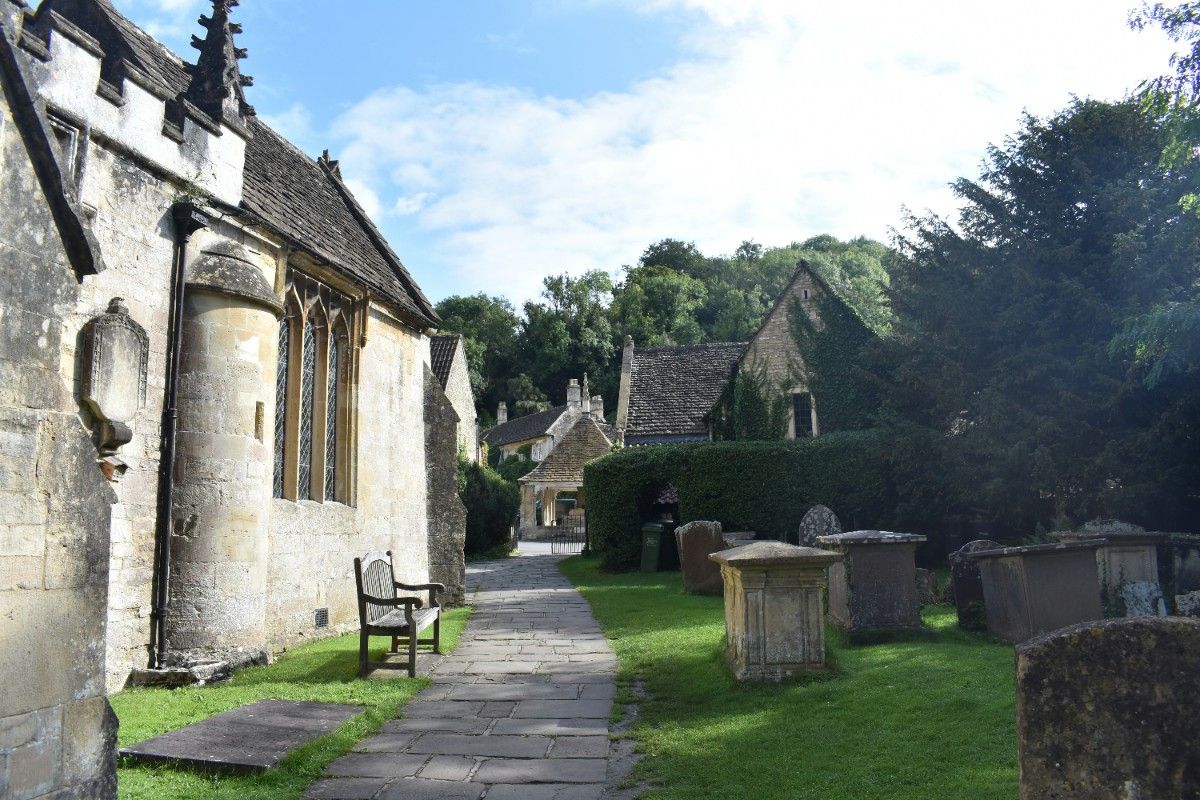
column 188, row 219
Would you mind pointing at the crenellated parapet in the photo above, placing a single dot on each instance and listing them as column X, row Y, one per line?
column 144, row 100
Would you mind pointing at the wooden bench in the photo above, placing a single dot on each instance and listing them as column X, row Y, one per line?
column 382, row 613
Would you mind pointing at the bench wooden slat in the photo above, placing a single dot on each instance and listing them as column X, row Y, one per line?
column 403, row 619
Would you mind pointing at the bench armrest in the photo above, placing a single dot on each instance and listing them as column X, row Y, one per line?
column 436, row 587
column 433, row 588
column 394, row 601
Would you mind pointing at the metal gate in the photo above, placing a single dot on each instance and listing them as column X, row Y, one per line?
column 570, row 538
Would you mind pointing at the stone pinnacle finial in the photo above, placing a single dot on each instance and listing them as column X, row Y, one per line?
column 217, row 82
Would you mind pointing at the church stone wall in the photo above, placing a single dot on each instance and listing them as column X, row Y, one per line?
column 313, row 545
column 57, row 732
column 223, row 468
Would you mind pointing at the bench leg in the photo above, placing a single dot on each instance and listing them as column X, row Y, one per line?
column 437, row 635
column 412, row 655
column 395, row 644
column 363, row 644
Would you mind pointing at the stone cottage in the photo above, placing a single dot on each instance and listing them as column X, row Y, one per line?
column 216, row 383
column 448, row 360
column 562, row 471
column 541, row 431
column 669, row 395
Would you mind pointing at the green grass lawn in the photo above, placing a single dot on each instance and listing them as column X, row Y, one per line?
column 324, row 672
column 923, row 719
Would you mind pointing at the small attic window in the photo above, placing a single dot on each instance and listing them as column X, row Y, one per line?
column 67, row 137
column 806, row 294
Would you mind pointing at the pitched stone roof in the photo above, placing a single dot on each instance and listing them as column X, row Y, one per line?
column 673, row 389
column 441, row 355
column 298, row 197
column 308, row 203
column 584, row 442
column 529, row 426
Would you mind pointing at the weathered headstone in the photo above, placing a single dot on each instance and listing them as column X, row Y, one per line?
column 1188, row 605
column 874, row 587
column 696, row 541
column 1107, row 711
column 1039, row 588
column 967, row 586
column 1128, row 567
column 818, row 522
column 926, row 586
column 774, row 620
column 738, row 538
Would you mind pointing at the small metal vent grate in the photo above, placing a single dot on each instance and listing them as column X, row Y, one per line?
column 322, row 617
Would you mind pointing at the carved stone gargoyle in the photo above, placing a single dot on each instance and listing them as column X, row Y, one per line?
column 115, row 353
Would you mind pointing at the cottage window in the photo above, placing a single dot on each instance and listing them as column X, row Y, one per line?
column 312, row 388
column 802, row 414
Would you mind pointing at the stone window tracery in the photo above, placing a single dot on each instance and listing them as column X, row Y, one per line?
column 314, row 386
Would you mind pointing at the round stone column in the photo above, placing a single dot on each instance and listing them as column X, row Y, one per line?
column 223, row 457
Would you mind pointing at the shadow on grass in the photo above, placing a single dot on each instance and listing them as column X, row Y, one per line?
column 899, row 720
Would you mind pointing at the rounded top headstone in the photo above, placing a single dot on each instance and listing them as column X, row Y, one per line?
column 819, row 521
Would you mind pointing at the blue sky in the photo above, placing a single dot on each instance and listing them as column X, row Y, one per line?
column 498, row 142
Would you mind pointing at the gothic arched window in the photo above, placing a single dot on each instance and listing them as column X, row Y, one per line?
column 314, row 458
column 333, row 383
column 281, row 395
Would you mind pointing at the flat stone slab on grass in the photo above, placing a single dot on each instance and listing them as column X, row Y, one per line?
column 252, row 738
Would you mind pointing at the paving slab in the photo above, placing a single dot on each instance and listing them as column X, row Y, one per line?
column 249, row 739
column 519, row 711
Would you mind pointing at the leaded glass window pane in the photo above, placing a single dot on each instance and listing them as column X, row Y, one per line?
column 331, row 400
column 307, row 387
column 281, row 376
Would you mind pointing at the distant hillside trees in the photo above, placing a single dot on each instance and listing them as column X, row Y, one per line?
column 674, row 295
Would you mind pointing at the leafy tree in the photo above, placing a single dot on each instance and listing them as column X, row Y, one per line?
column 999, row 352
column 489, row 329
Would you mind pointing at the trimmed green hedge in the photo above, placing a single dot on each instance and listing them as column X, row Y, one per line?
column 765, row 487
column 492, row 504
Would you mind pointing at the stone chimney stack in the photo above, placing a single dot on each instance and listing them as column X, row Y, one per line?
column 598, row 407
column 573, row 394
column 585, row 397
column 626, row 380
column 502, row 413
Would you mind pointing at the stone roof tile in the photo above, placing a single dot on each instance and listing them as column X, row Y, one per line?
column 583, row 443
column 441, row 355
column 673, row 389
column 529, row 426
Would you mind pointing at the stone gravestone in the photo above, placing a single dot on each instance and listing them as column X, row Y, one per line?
column 967, row 586
column 1128, row 567
column 696, row 542
column 874, row 586
column 1040, row 588
column 1107, row 711
column 774, row 615
column 819, row 521
column 926, row 586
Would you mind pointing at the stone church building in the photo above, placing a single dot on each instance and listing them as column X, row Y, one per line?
column 215, row 384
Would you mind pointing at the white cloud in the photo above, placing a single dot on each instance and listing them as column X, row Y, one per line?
column 295, row 124
column 785, row 120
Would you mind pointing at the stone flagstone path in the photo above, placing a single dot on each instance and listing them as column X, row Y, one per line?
column 518, row 712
